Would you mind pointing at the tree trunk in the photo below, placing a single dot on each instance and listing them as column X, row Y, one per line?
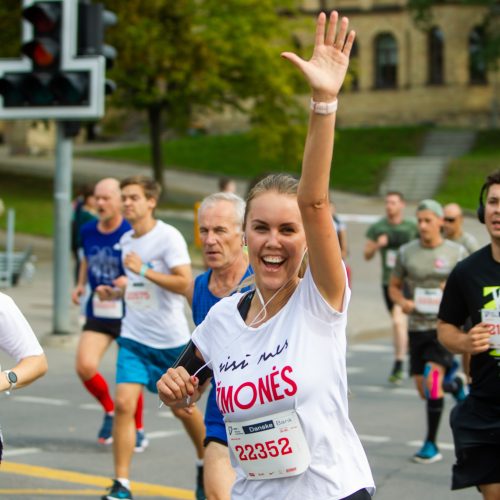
column 155, row 129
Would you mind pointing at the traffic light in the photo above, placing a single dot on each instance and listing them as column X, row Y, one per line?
column 62, row 73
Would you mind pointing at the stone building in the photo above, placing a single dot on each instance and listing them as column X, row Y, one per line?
column 405, row 75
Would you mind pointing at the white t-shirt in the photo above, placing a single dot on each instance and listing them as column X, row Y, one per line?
column 300, row 353
column 155, row 316
column 16, row 336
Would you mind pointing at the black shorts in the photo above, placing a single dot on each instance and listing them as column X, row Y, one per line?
column 109, row 327
column 388, row 302
column 425, row 347
column 476, row 432
column 212, row 439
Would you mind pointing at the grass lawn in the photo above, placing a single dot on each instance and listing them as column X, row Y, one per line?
column 363, row 155
column 466, row 175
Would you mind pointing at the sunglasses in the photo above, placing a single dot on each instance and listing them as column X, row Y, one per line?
column 450, row 219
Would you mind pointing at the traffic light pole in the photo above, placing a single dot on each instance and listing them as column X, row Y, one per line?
column 62, row 231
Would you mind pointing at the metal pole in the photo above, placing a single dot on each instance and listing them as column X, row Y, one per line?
column 11, row 222
column 62, row 232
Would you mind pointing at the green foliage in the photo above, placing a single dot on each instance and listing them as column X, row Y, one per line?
column 466, row 175
column 363, row 155
column 185, row 55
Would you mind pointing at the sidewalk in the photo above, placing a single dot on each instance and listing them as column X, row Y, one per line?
column 368, row 317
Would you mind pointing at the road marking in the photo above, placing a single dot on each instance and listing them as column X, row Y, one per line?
column 91, row 480
column 351, row 370
column 90, row 406
column 66, row 493
column 370, row 348
column 14, row 452
column 42, row 401
column 163, row 434
column 374, row 439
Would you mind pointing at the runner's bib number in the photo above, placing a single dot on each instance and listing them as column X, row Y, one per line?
column 141, row 295
column 492, row 317
column 390, row 258
column 427, row 300
column 271, row 447
column 108, row 309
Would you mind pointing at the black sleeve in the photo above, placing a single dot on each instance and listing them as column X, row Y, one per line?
column 453, row 308
column 192, row 363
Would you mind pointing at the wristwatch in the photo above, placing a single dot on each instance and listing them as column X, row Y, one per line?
column 12, row 379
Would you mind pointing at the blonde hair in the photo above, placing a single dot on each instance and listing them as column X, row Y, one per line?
column 280, row 184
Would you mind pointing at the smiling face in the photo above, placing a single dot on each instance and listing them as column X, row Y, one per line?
column 275, row 238
column 220, row 234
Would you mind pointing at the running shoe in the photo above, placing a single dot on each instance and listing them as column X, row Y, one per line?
column 396, row 377
column 105, row 435
column 459, row 391
column 200, row 492
column 428, row 454
column 141, row 441
column 117, row 492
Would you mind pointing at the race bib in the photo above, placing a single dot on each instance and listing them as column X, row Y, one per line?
column 492, row 317
column 390, row 258
column 427, row 300
column 108, row 309
column 141, row 295
column 270, row 447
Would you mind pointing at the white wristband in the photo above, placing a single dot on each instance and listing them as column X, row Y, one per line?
column 324, row 108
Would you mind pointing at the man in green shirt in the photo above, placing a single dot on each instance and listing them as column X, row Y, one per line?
column 385, row 237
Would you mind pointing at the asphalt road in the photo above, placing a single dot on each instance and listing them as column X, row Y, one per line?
column 51, row 450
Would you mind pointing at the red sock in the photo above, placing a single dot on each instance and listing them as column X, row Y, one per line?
column 139, row 424
column 98, row 387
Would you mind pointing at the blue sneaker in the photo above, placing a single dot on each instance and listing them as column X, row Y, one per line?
column 105, row 435
column 117, row 492
column 459, row 392
column 141, row 441
column 428, row 454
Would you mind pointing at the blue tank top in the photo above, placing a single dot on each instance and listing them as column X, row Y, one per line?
column 103, row 255
column 203, row 299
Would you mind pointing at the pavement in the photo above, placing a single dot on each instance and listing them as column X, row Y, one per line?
column 368, row 318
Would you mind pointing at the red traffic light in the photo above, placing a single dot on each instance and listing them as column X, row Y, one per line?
column 43, row 51
column 44, row 16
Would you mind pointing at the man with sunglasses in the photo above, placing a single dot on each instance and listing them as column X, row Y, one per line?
column 453, row 228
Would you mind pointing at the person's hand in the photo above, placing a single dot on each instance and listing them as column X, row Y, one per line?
column 176, row 388
column 382, row 241
column 326, row 70
column 120, row 282
column 76, row 294
column 133, row 262
column 478, row 338
column 105, row 292
column 408, row 306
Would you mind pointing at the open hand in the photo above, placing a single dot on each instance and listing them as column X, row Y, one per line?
column 326, row 70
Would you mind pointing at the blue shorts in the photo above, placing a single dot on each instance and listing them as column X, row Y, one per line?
column 139, row 364
column 214, row 423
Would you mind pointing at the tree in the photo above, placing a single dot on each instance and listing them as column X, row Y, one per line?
column 10, row 28
column 177, row 56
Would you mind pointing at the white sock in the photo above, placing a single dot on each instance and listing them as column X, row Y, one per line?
column 124, row 482
column 199, row 462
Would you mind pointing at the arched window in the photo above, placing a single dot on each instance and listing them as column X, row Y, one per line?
column 477, row 61
column 386, row 61
column 436, row 56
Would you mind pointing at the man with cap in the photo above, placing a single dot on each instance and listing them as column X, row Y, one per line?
column 422, row 267
column 453, row 228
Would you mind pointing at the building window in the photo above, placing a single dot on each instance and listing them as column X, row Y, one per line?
column 436, row 56
column 477, row 61
column 386, row 61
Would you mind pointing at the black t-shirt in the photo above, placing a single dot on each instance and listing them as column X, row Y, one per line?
column 469, row 288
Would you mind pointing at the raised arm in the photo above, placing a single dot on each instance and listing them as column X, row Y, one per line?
column 325, row 73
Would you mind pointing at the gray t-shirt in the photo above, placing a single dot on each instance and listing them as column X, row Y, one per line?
column 424, row 271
